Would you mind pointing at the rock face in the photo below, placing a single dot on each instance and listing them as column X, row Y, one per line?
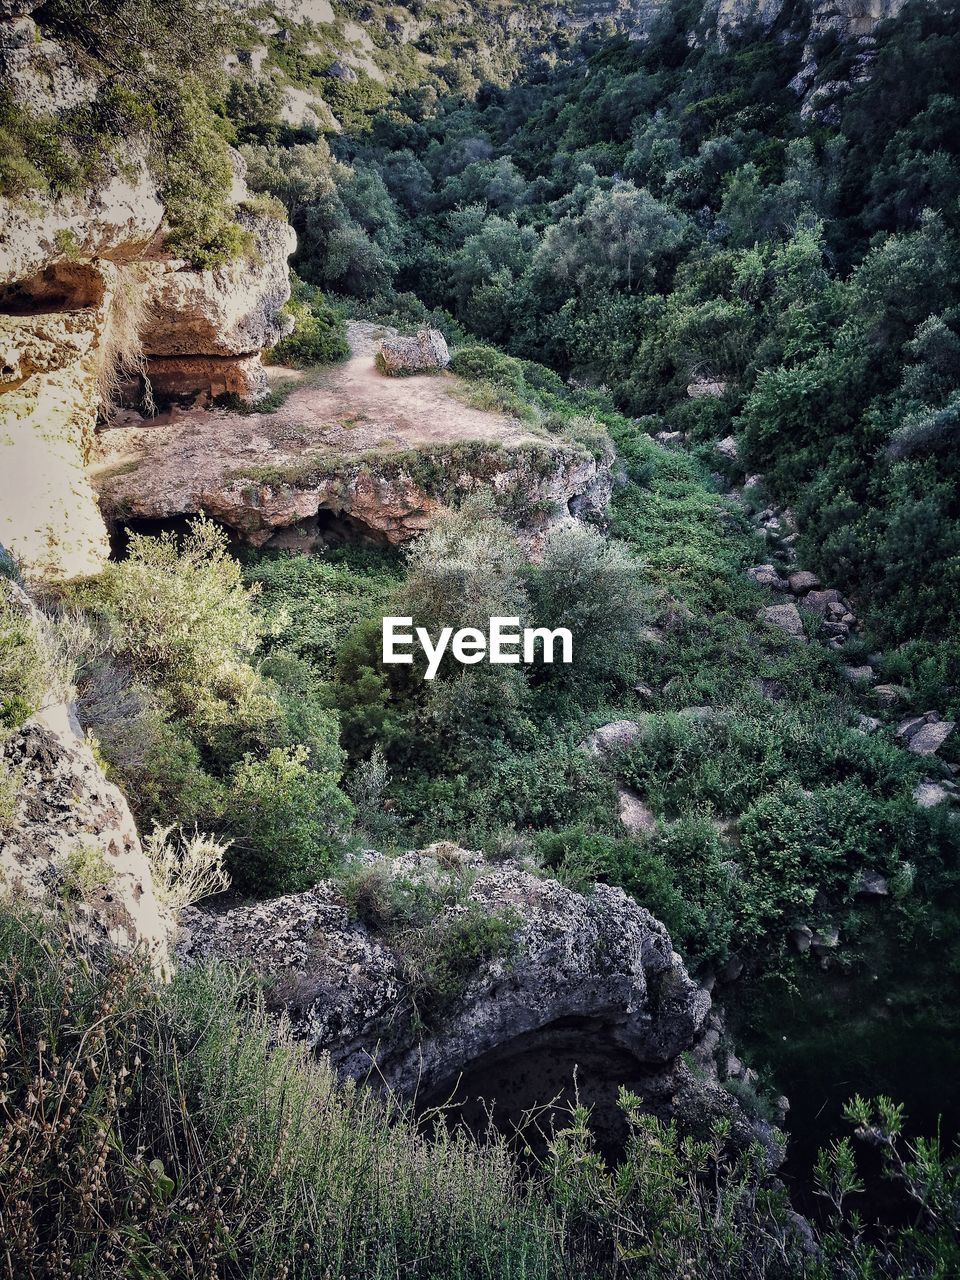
column 50, row 360
column 86, row 292
column 425, row 352
column 590, row 979
column 204, row 330
column 71, row 843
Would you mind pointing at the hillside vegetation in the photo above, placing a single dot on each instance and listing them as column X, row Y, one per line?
column 621, row 239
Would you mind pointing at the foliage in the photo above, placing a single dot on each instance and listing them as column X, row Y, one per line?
column 440, row 933
column 319, row 332
column 23, row 667
column 187, row 869
column 159, row 67
column 288, row 820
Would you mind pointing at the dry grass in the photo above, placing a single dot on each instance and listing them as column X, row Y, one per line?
column 120, row 356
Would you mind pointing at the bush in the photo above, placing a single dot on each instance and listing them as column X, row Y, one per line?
column 288, row 821
column 319, row 332
column 180, row 616
column 594, row 589
column 23, row 667
column 184, row 1132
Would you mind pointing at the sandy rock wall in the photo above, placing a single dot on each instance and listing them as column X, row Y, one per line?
column 89, row 301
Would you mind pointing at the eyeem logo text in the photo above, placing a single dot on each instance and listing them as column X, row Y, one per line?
column 503, row 643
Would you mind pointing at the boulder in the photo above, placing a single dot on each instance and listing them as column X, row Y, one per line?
column 928, row 740
column 612, row 737
column 589, row 981
column 727, row 448
column 859, row 675
column 230, row 310
column 425, row 352
column 765, row 575
column 697, row 390
column 635, row 816
column 929, row 794
column 801, row 938
column 786, row 617
column 803, row 581
column 826, row 603
column 888, row 695
column 872, row 884
column 671, row 438
column 867, row 724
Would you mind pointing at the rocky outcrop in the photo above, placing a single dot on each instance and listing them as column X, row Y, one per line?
column 358, row 458
column 70, row 845
column 204, row 330
column 88, row 294
column 51, row 357
column 589, row 979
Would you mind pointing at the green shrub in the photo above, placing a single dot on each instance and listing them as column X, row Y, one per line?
column 181, row 618
column 23, row 667
column 319, row 334
column 288, row 821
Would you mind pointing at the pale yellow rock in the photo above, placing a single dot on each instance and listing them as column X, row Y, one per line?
column 49, row 516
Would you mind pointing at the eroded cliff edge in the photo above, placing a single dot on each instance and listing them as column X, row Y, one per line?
column 93, row 302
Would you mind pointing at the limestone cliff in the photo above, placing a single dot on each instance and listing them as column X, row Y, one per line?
column 92, row 303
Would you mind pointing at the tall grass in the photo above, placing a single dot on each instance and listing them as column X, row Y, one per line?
column 159, row 1133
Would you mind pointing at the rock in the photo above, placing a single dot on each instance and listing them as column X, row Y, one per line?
column 826, row 939
column 928, row 740
column 786, row 617
column 705, row 714
column 49, row 397
column 803, row 581
column 697, row 390
column 338, row 71
column 71, row 847
column 670, row 438
column 727, row 448
column 801, row 938
column 230, row 310
column 929, row 794
column 733, row 1066
column 859, row 675
column 635, row 816
column 888, row 695
column 872, row 884
column 196, row 380
column 821, row 602
column 425, row 352
column 765, row 575
column 867, row 724
column 732, row 970
column 612, row 737
column 912, row 724
column 753, row 482
column 590, row 979
column 643, row 691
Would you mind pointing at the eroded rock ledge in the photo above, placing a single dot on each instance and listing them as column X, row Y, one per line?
column 592, row 986
column 351, row 455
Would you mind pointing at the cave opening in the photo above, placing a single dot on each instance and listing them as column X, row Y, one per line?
column 64, row 286
column 525, row 1090
column 327, row 529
